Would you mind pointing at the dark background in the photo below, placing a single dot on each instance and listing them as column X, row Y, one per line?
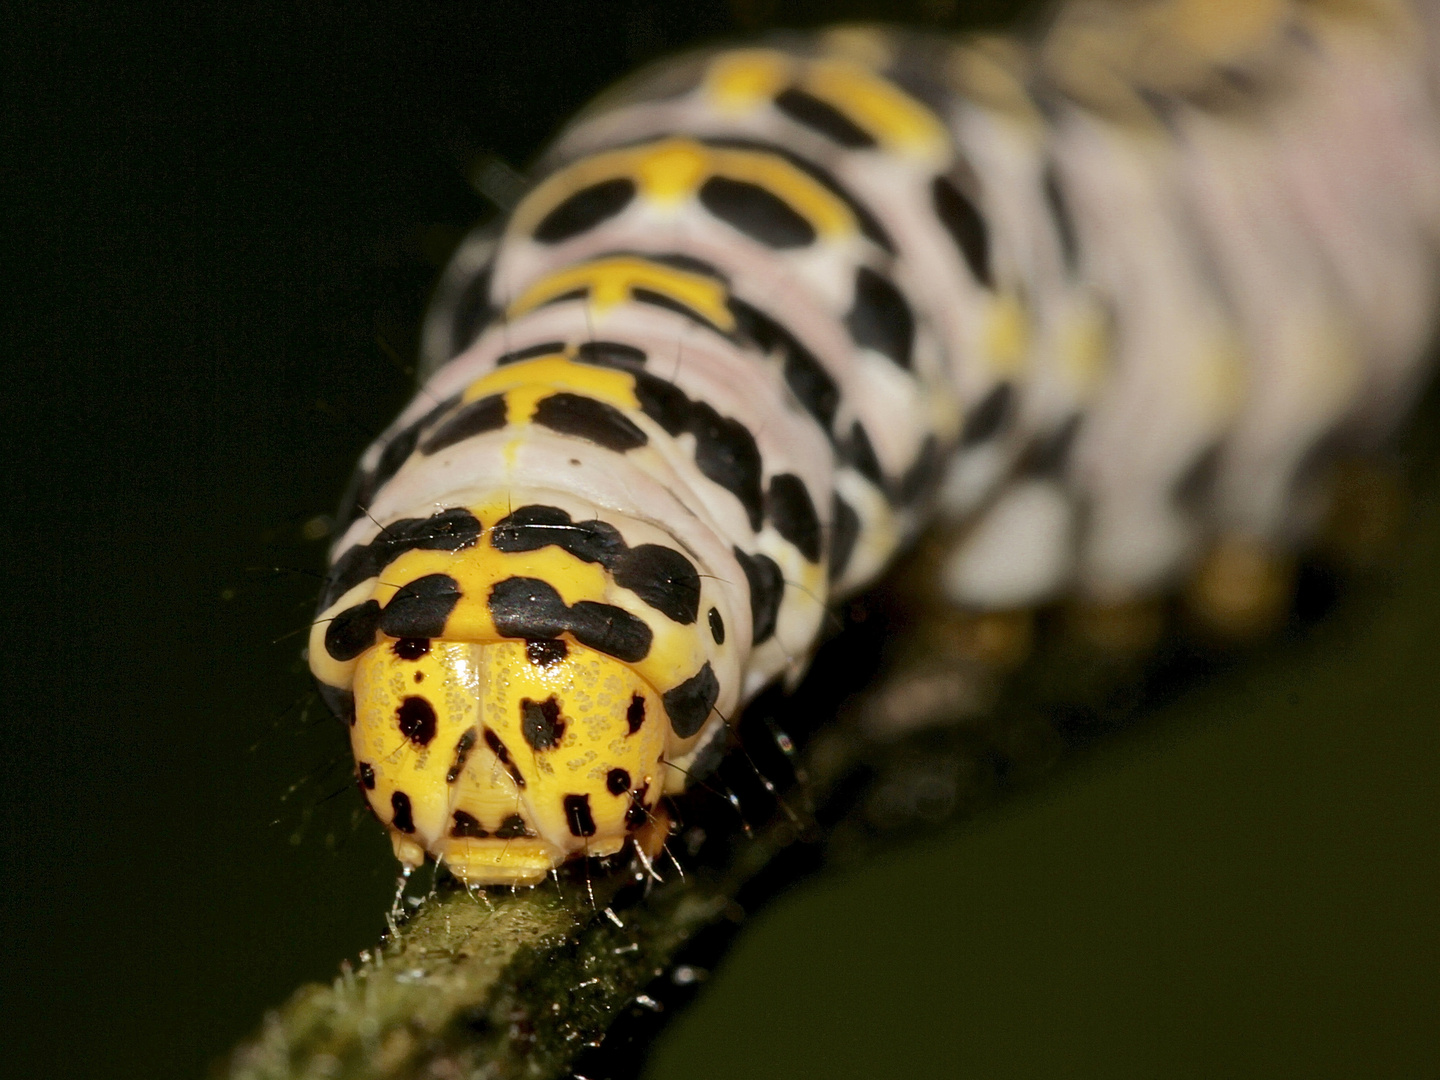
column 221, row 225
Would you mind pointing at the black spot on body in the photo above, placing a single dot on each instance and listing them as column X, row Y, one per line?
column 1049, row 453
column 367, row 775
column 584, row 210
column 717, row 627
column 790, row 509
column 1196, row 485
column 544, row 652
column 767, row 587
column 759, row 214
column 419, row 609
column 541, row 723
column 533, row 527
column 513, row 828
column 611, row 630
column 578, row 816
column 807, row 378
column 1059, row 208
column 463, row 746
column 869, row 226
column 844, row 531
column 416, row 720
column 725, row 451
column 612, row 354
column 476, row 418
column 880, row 319
column 658, row 299
column 586, row 418
column 515, row 356
column 924, row 475
column 989, row 417
column 966, row 227
column 859, row 453
column 528, row 608
column 688, row 705
column 663, row 578
column 450, row 530
column 472, row 312
column 401, row 817
column 466, row 826
column 823, row 117
column 635, row 713
column 411, row 648
column 352, row 631
column 617, row 781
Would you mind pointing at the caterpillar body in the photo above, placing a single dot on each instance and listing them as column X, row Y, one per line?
column 769, row 310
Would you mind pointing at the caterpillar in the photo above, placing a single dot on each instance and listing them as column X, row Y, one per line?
column 1106, row 300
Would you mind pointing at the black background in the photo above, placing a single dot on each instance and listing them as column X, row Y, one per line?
column 222, row 222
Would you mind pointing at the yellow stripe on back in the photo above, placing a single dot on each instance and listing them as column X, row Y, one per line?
column 612, row 281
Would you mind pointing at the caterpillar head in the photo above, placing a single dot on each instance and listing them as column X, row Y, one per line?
column 517, row 682
column 503, row 759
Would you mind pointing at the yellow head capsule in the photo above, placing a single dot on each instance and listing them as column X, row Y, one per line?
column 503, row 759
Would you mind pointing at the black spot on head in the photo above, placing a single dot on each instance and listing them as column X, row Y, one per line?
column 466, row 826
column 419, row 609
column 533, row 527
column 717, row 627
column 512, row 828
column 767, row 587
column 515, row 356
column 823, row 117
column 663, row 578
column 502, row 754
column 586, row 418
column 411, row 648
column 617, row 781
column 478, row 417
column 966, row 227
column 584, row 210
column 990, row 417
column 880, row 319
column 790, row 509
column 611, row 354
column 543, row 652
column 400, row 805
column 688, row 705
column 352, row 631
column 844, row 531
column 367, row 775
column 541, row 723
column 635, row 713
column 463, row 746
column 416, row 719
column 578, row 816
column 759, row 214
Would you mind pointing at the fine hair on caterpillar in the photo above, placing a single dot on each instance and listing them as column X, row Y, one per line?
column 1092, row 309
